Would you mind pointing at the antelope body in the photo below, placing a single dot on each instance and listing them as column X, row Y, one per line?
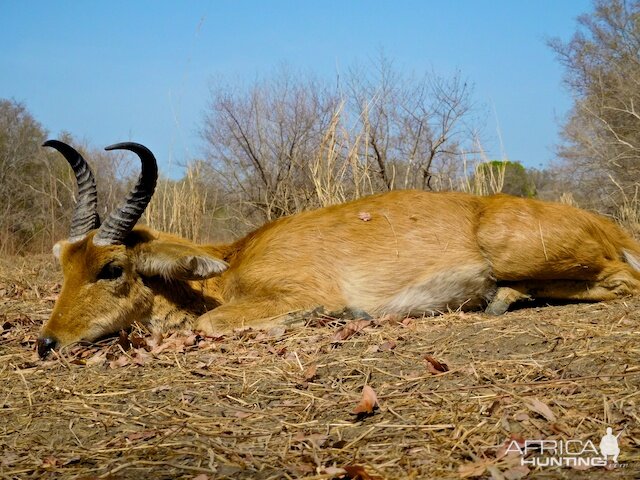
column 402, row 252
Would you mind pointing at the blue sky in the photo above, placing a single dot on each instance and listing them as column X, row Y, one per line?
column 109, row 71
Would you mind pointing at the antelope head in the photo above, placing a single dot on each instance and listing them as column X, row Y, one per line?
column 105, row 264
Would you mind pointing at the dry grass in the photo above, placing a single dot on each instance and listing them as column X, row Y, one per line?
column 337, row 170
column 252, row 406
column 627, row 211
column 484, row 181
column 180, row 206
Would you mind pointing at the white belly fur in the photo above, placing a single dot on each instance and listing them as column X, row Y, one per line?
column 467, row 287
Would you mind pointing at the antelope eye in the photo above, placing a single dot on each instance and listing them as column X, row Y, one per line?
column 110, row 272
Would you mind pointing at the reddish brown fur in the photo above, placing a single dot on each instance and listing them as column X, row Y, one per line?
column 418, row 253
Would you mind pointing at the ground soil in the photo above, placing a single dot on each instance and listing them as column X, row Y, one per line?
column 280, row 403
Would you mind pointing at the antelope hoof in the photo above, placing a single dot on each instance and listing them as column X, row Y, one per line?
column 497, row 307
column 210, row 327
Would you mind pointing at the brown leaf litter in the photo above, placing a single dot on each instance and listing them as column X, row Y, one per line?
column 453, row 392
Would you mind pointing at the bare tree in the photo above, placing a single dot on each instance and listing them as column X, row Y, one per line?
column 290, row 143
column 602, row 133
column 412, row 125
column 21, row 179
column 259, row 140
column 38, row 188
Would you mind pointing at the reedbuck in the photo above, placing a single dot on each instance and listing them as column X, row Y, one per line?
column 402, row 252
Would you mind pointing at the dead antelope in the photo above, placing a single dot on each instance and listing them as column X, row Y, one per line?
column 402, row 252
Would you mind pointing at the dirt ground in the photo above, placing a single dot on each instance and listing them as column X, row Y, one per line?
column 280, row 404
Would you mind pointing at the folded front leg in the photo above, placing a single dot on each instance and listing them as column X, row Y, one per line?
column 247, row 313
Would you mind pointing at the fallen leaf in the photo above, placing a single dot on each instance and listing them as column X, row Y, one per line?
column 305, row 468
column 389, row 318
column 276, row 332
column 172, row 343
column 540, row 408
column 9, row 458
column 494, row 472
column 357, row 472
column 50, row 462
column 140, row 356
column 333, row 471
column 121, row 361
column 292, row 356
column 368, row 402
column 155, row 340
column 317, row 439
column 350, row 329
column 137, row 341
column 492, row 408
column 191, row 339
column 86, row 353
column 474, row 469
column 516, row 473
column 388, row 345
column 240, row 414
column 123, row 340
column 434, row 366
column 507, row 448
column 310, row 372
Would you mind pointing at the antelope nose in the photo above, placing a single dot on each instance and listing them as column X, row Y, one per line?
column 45, row 345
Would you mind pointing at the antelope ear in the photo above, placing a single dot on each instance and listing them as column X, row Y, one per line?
column 175, row 261
column 631, row 259
column 57, row 250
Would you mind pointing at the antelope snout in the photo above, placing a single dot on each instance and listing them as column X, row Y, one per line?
column 45, row 345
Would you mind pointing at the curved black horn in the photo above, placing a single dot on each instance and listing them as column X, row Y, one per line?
column 85, row 217
column 121, row 221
